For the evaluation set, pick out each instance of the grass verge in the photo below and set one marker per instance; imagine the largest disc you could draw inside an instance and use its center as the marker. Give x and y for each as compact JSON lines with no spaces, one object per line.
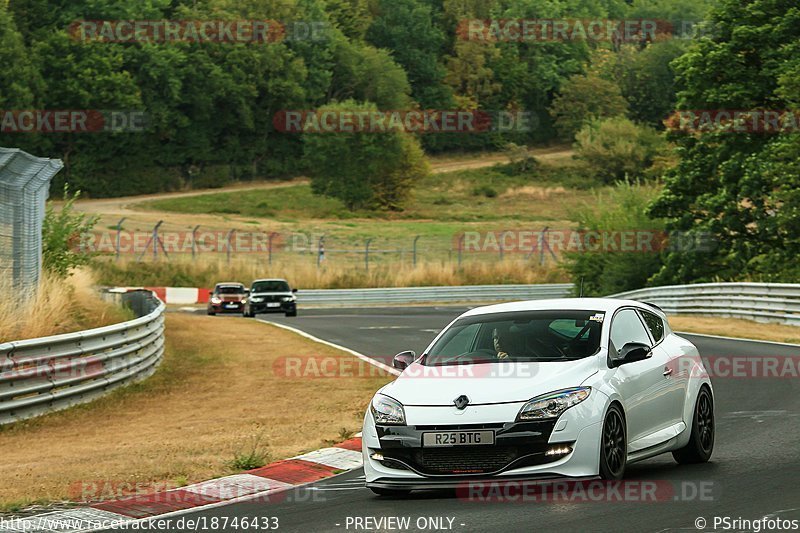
{"x":222,"y":398}
{"x":736,"y":327}
{"x":59,"y":306}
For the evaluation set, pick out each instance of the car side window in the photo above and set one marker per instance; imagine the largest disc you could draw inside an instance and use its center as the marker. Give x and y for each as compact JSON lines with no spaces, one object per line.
{"x":627,"y":327}
{"x":654,"y":323}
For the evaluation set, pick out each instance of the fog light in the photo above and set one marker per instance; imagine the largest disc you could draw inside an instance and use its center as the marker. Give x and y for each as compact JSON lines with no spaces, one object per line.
{"x":377,"y":456}
{"x":558,"y":450}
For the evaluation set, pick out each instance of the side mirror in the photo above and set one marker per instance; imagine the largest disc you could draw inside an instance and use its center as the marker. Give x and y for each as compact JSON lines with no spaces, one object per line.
{"x":403,"y":359}
{"x":631,"y":352}
{"x":294,"y":290}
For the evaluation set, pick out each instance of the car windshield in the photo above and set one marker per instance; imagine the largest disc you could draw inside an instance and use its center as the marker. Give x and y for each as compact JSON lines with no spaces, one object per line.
{"x":230,"y":289}
{"x":518,"y":336}
{"x":271,"y":286}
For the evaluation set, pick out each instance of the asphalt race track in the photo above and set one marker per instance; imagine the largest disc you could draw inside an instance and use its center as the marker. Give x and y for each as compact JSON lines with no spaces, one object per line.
{"x":754,"y":471}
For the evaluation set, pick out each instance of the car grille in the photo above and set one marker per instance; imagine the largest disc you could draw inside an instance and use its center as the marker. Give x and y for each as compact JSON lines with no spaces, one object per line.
{"x":465,"y":460}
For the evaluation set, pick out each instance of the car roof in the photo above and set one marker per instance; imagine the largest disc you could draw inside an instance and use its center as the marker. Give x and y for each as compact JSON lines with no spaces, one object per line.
{"x":270,"y":279}
{"x":607,"y":305}
{"x":230,"y":284}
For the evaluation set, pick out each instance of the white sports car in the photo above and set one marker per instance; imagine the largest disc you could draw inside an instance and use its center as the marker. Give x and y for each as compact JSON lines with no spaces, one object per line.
{"x":574,"y":387}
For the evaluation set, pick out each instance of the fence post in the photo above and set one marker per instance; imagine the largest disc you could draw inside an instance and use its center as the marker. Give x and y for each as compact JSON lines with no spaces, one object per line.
{"x":119,"y":230}
{"x":269,"y":244}
{"x":154,"y":238}
{"x":194,"y":240}
{"x":460,"y":247}
{"x":320,"y":250}
{"x":228,"y":245}
{"x":414,"y":252}
{"x":366,"y":253}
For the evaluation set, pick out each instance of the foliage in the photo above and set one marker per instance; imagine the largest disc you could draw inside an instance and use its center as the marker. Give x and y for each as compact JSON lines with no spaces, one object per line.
{"x":605,"y":272}
{"x":739,"y":189}
{"x":364,"y":169}
{"x":63,"y":233}
{"x":582,"y":99}
{"x":616,"y":148}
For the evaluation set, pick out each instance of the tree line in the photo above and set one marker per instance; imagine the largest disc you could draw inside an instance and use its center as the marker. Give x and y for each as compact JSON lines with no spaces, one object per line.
{"x":210,"y":106}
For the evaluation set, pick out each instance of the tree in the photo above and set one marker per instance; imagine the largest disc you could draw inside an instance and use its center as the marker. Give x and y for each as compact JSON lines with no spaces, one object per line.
{"x":405,"y":27}
{"x":616,"y":148}
{"x":583,"y":98}
{"x":740,"y":189}
{"x":365,"y":169}
{"x":647,"y":80}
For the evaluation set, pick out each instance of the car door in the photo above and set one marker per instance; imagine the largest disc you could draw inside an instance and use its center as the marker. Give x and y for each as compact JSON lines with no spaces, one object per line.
{"x":641,"y":384}
{"x":674,"y":372}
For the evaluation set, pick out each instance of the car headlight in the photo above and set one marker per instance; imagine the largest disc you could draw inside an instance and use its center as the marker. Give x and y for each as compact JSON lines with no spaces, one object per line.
{"x":216,"y":300}
{"x":287,"y":298}
{"x":553,"y":404}
{"x":256,"y":299}
{"x":387,"y":411}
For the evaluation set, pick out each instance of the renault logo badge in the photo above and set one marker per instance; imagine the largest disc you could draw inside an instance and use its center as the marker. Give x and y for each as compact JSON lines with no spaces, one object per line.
{"x":461,"y":402}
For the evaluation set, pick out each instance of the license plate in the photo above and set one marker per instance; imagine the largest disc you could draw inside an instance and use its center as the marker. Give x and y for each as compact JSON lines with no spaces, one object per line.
{"x":231,"y":306}
{"x":457,"y":438}
{"x":275,"y":304}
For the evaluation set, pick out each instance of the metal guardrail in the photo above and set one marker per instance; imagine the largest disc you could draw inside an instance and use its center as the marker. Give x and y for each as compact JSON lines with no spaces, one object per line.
{"x":764,"y":302}
{"x":396,"y":295}
{"x":51,"y":373}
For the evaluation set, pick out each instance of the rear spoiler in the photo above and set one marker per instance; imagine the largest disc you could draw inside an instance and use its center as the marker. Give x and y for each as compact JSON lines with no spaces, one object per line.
{"x":654,"y":305}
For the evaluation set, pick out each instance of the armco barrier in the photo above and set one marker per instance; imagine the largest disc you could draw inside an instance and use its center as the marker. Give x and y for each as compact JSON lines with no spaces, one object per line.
{"x":470,"y":293}
{"x":51,"y":373}
{"x":764,"y":302}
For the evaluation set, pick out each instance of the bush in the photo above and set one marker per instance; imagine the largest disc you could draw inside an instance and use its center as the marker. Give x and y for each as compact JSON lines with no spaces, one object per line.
{"x":584,"y":98}
{"x":616,"y":148}
{"x":608,"y":272}
{"x":63,"y":233}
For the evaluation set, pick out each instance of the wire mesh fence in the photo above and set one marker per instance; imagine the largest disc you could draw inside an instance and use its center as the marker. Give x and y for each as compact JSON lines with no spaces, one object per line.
{"x":24,"y":186}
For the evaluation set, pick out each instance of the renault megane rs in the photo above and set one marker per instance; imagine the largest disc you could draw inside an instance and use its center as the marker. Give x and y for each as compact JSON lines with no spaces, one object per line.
{"x":575,"y":387}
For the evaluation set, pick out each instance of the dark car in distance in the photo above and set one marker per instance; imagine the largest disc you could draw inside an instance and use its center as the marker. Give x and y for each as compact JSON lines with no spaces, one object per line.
{"x":271,"y":296}
{"x":227,"y":297}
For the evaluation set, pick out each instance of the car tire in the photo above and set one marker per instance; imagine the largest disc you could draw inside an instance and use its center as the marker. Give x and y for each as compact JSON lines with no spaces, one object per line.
{"x":248,"y":314}
{"x":390,"y":493}
{"x":701,"y":440}
{"x":613,"y":444}
{"x":210,"y":313}
{"x":292,"y":313}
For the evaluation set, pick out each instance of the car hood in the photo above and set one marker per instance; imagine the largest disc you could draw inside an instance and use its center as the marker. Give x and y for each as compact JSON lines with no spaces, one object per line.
{"x":271,"y":294}
{"x":487,"y":382}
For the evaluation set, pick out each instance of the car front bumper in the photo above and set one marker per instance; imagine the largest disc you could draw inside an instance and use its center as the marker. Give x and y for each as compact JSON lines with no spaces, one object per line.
{"x":520,"y":451}
{"x":226,"y":307}
{"x":264,"y":307}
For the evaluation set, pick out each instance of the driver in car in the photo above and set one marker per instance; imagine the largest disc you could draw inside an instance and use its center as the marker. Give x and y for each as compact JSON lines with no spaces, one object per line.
{"x":498,"y":345}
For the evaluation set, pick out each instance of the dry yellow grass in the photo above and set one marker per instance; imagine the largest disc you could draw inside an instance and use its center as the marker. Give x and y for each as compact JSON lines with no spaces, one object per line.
{"x":734,"y":327}
{"x":214,"y":393}
{"x":304,"y":274}
{"x":60,"y":306}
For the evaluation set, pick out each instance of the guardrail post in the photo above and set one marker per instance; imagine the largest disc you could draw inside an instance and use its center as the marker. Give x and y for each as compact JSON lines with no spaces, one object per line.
{"x":414,"y":252}
{"x":460,"y":247}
